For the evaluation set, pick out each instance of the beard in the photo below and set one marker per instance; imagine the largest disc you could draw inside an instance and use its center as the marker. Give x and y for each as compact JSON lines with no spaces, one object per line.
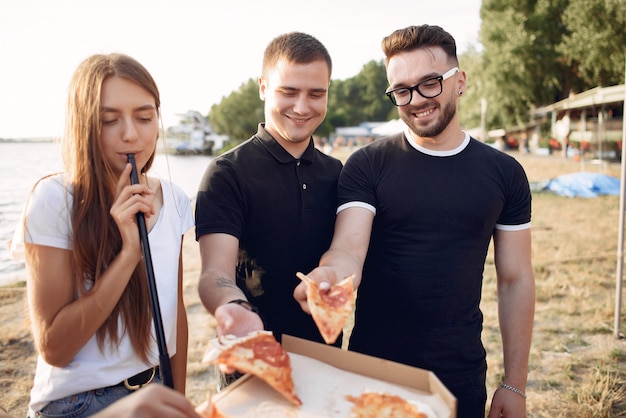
{"x":430,"y":131}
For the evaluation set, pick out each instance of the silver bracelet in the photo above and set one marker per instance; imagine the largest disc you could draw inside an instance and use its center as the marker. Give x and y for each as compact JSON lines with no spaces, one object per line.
{"x":513,"y":389}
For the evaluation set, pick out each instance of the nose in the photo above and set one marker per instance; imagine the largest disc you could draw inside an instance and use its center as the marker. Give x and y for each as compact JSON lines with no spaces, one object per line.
{"x":301,"y":105}
{"x":129,"y":131}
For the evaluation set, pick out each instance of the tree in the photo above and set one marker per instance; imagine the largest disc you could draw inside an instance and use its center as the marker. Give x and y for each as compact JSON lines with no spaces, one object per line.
{"x":360,"y":98}
{"x":596,"y":46}
{"x":238,"y":114}
{"x":470,"y":104}
{"x":537,"y":52}
{"x":521,"y":64}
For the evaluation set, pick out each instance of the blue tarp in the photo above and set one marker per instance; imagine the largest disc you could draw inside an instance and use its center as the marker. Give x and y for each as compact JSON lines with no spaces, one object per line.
{"x":584,"y":185}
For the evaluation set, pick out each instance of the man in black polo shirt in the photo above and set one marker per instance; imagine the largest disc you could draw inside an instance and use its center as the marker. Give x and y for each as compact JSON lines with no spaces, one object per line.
{"x":266,"y":209}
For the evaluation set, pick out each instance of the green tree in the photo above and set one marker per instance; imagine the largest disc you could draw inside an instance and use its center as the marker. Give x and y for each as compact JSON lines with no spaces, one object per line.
{"x":595,"y":47}
{"x":360,"y":98}
{"x":537,"y":52}
{"x":522,"y":66}
{"x":238,"y":114}
{"x":470,"y":104}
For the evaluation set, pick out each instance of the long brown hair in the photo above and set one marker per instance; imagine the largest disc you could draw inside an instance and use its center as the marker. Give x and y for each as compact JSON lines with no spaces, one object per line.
{"x":96,"y":239}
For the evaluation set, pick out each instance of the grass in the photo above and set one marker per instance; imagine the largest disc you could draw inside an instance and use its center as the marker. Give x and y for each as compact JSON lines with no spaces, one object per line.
{"x":577,"y":366}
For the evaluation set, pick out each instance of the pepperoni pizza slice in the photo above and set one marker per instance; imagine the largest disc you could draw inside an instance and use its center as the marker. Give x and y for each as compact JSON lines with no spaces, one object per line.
{"x":375,"y":404}
{"x":330,"y":309}
{"x":258,"y":354}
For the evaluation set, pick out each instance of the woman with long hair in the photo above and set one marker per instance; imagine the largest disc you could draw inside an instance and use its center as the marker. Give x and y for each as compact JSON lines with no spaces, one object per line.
{"x":88,"y":295}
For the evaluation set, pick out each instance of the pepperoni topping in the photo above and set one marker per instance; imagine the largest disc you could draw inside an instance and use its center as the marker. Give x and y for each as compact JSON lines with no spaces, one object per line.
{"x":267,"y":349}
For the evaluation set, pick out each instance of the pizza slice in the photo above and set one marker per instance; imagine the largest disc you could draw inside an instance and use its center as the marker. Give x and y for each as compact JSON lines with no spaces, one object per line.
{"x":258,"y":354}
{"x":209,"y":410}
{"x":330,"y":309}
{"x":376,"y":404}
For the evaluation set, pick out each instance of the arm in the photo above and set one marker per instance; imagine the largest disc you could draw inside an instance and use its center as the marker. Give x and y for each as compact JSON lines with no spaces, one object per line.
{"x":152,"y":401}
{"x":217,"y":286}
{"x":346,"y":254}
{"x":62,"y":323}
{"x":516,"y":309}
{"x":179,"y":360}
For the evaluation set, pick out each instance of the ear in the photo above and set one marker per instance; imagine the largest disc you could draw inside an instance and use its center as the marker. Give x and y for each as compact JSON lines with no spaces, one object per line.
{"x":262,"y":87}
{"x":462,"y":82}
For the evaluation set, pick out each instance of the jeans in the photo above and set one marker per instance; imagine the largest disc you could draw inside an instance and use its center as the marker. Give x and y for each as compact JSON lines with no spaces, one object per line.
{"x":84,"y":404}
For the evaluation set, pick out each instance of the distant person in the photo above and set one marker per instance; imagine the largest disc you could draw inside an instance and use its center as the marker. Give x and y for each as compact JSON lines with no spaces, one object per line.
{"x":266,"y":209}
{"x":88,"y":294}
{"x":417,"y":211}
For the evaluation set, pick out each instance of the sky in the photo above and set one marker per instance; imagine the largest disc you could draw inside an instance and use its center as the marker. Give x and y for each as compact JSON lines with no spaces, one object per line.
{"x":198,"y":51}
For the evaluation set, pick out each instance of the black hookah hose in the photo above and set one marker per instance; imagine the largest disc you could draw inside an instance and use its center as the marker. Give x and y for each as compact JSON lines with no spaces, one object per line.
{"x":164,"y":358}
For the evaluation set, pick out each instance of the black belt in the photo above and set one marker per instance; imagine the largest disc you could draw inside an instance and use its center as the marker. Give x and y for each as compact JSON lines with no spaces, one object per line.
{"x":140,"y":379}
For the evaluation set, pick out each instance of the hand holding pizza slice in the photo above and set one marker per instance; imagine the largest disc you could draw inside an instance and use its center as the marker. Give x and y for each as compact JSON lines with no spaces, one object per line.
{"x":330,"y":309}
{"x":259,"y":354}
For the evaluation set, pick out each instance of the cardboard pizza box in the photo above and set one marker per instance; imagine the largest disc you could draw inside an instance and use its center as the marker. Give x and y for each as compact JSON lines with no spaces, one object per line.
{"x":323,"y":375}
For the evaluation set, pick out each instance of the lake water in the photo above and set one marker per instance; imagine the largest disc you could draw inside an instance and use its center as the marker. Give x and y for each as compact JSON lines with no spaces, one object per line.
{"x":23,"y":163}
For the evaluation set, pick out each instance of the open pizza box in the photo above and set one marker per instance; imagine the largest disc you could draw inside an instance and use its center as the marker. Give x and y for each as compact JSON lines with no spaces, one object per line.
{"x":323,"y":375}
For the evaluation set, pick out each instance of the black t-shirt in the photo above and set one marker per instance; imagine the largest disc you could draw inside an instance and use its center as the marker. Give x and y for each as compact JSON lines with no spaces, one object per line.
{"x":282,"y":210}
{"x":418,"y":302}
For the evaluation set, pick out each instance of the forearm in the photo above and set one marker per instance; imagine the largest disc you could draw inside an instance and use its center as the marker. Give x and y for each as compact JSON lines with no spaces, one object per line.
{"x":216,"y":289}
{"x":516,"y":306}
{"x":81,"y":317}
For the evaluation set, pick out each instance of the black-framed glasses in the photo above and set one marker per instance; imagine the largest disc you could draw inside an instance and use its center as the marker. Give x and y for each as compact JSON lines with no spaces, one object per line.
{"x":428,"y":89}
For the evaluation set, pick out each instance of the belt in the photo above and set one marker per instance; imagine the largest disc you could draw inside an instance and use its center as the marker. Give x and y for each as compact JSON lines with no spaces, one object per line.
{"x":140,"y":379}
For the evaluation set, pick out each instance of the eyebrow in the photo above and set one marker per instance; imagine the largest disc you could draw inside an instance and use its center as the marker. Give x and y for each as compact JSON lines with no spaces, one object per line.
{"x":137,"y":109}
{"x":318,"y":90}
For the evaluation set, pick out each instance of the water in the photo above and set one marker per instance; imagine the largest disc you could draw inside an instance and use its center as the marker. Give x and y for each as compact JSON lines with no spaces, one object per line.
{"x":23,"y":163}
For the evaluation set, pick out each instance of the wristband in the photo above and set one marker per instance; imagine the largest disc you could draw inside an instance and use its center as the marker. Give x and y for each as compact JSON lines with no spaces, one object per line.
{"x":248,"y":306}
{"x":513,"y":389}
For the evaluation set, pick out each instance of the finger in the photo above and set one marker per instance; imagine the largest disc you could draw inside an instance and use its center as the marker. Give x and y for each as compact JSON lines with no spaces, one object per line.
{"x":124,"y":179}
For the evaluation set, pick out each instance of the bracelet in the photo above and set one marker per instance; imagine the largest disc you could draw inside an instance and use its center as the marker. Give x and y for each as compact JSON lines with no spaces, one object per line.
{"x":246,"y":305}
{"x":513,"y":389}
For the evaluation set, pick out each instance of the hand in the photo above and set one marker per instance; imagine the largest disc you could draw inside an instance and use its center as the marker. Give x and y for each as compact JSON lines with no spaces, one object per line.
{"x":325,"y":276}
{"x":129,"y":201}
{"x":152,"y":401}
{"x":507,"y":404}
{"x":234,"y":319}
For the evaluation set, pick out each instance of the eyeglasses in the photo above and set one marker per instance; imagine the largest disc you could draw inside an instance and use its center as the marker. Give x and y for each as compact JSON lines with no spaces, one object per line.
{"x":428,"y":89}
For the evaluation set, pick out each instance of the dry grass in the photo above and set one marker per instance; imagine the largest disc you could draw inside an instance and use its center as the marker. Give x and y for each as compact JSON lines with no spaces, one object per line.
{"x":577,"y":367}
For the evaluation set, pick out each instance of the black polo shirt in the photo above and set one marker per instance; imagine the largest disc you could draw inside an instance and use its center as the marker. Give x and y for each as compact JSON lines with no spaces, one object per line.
{"x":282,"y":210}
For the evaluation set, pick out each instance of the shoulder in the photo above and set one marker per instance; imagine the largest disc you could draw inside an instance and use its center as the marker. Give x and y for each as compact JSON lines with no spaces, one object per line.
{"x":51,"y":186}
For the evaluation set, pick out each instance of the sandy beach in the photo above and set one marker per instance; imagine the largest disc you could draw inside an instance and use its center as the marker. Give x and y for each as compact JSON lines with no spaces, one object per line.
{"x":577,"y":368}
{"x":18,"y":358}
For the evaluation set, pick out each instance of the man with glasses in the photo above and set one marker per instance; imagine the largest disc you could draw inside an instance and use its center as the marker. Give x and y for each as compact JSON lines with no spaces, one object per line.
{"x":416,"y":214}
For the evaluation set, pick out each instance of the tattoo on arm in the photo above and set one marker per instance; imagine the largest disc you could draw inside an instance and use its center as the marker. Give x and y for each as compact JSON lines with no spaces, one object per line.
{"x":224,"y":282}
